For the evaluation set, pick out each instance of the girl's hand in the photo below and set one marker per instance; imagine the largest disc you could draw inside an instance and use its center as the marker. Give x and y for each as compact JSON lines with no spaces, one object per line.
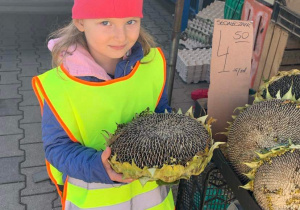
{"x":114,"y":176}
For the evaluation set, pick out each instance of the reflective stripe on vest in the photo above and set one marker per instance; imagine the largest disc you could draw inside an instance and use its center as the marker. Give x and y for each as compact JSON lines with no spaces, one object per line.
{"x":115,"y":101}
{"x":127,"y":197}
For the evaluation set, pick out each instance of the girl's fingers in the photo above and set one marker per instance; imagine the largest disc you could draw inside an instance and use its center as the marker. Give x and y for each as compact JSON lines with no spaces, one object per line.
{"x":105,"y":154}
{"x":118,"y":178}
{"x":114,"y":176}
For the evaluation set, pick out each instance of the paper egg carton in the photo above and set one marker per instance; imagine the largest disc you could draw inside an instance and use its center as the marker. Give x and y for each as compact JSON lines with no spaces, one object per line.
{"x":199,"y":30}
{"x":212,"y":11}
{"x":193,"y":66}
{"x":190,"y":44}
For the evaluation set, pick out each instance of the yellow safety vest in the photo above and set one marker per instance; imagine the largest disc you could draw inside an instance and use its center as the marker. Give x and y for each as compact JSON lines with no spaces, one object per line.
{"x":84,"y":109}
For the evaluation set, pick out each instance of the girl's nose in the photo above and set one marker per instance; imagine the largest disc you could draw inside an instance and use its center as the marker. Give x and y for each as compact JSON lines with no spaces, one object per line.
{"x":120,"y":34}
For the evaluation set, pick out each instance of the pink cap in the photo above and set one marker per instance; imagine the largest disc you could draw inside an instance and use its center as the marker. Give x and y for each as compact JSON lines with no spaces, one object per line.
{"x":94,"y":9}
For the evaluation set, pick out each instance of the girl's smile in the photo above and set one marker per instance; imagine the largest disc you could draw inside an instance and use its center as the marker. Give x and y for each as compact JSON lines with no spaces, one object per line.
{"x":120,"y":47}
{"x":109,"y":39}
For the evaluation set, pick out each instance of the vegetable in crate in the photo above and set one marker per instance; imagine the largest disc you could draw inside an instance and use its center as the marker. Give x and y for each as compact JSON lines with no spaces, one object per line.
{"x":163,"y":147}
{"x":275,"y":178}
{"x":261,"y":126}
{"x":286,"y":86}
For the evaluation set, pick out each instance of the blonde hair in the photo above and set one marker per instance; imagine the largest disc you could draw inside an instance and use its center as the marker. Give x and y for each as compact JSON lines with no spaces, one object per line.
{"x":70,"y":35}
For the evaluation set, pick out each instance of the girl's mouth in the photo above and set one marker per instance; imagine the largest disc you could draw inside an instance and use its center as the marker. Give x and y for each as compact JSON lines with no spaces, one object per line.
{"x":120,"y":47}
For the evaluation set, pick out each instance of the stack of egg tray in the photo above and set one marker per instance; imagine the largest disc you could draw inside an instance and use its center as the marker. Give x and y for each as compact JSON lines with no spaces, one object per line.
{"x":193,"y":66}
{"x":207,"y":191}
{"x":198,"y":33}
{"x":213,"y":11}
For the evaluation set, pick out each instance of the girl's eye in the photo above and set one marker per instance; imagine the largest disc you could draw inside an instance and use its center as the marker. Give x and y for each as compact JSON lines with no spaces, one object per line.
{"x":105,"y":23}
{"x":131,"y":22}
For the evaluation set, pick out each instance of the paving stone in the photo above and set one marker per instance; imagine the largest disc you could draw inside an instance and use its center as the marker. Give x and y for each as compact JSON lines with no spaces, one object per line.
{"x":39,"y":202}
{"x":26,"y":46}
{"x":169,"y":18}
{"x":43,"y":70}
{"x":9,"y":32}
{"x":11,"y":173}
{"x":29,"y":98}
{"x":46,"y":63}
{"x":165,"y":13}
{"x":9,"y":91}
{"x":8,"y":66}
{"x":8,"y":25}
{"x":153,"y":14}
{"x":9,"y":77}
{"x":162,"y":38}
{"x":24,"y":38}
{"x":9,"y":125}
{"x":9,"y":58}
{"x":33,"y":188}
{"x":7,"y":48}
{"x":35,"y":155}
{"x":166,"y":53}
{"x":155,"y":31}
{"x":57,"y":202}
{"x":9,"y":51}
{"x":29,"y":61}
{"x":9,"y":196}
{"x":150,"y":25}
{"x":9,"y":107}
{"x":32,"y":114}
{"x":29,"y":70}
{"x":177,"y":84}
{"x":168,"y":31}
{"x":41,"y":42}
{"x":40,"y":176}
{"x":28,"y":58}
{"x":26,"y":83}
{"x":180,"y":95}
{"x":164,"y":24}
{"x":8,"y":41}
{"x":41,"y":49}
{"x":10,"y":146}
{"x":191,"y":87}
{"x":27,"y":51}
{"x":33,"y":133}
{"x":28,"y":54}
{"x":45,"y":55}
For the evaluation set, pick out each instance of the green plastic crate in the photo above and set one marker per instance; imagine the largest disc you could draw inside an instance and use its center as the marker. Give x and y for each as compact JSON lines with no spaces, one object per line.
{"x":233,"y":9}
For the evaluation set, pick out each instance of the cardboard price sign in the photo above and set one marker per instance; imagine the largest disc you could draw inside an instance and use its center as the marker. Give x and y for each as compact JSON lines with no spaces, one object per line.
{"x":230,"y":71}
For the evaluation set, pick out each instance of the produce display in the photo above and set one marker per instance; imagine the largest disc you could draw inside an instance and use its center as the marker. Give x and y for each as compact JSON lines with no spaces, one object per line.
{"x":286,"y":85}
{"x":264,"y":141}
{"x":261,"y":126}
{"x":275,"y":178}
{"x":263,"y":145}
{"x":165,"y":147}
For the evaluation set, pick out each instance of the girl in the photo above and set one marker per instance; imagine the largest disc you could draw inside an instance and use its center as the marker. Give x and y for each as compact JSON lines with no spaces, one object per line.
{"x":105,"y":72}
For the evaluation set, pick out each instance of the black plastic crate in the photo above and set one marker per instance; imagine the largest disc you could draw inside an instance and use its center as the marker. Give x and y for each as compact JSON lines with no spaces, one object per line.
{"x":286,"y":18}
{"x":209,"y":190}
{"x":215,"y":188}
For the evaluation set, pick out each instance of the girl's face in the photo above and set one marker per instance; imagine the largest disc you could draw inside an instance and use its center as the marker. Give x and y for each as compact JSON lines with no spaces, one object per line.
{"x":110,"y":38}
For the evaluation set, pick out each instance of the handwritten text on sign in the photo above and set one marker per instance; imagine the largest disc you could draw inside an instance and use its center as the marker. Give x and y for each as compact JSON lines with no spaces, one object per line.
{"x":230,"y":70}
